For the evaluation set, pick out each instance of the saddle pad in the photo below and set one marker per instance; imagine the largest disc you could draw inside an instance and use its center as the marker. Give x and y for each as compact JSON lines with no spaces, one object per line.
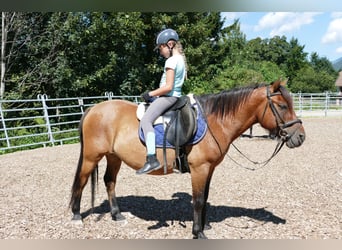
{"x":141,"y":111}
{"x":159,"y":131}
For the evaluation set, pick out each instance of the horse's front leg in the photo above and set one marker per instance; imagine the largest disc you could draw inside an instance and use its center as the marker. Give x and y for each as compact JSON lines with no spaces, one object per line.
{"x":200,"y":191}
{"x":113,"y":167}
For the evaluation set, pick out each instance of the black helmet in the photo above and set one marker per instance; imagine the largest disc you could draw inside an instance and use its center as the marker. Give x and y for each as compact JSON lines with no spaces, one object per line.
{"x":166,"y":35}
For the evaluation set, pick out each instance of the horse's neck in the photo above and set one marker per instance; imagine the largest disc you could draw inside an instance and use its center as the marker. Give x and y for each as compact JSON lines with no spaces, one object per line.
{"x":232,"y":126}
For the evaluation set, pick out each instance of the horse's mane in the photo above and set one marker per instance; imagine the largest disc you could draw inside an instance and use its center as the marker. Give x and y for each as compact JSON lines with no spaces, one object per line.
{"x":226,"y":102}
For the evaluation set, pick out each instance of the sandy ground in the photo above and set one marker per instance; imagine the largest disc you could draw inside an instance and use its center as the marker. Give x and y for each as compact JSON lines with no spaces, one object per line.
{"x":296,"y":196}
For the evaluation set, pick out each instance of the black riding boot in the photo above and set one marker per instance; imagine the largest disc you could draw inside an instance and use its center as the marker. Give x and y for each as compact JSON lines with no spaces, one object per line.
{"x":151,"y":164}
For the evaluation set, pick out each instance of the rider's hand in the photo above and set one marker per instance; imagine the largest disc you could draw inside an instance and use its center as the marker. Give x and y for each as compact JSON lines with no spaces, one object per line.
{"x":147,"y":98}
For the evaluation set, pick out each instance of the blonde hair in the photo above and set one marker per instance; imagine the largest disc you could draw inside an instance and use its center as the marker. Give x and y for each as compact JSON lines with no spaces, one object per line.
{"x":178,"y":46}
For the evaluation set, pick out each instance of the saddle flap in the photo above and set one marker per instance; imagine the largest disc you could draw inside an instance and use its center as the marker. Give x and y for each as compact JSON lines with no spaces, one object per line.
{"x":183,"y":125}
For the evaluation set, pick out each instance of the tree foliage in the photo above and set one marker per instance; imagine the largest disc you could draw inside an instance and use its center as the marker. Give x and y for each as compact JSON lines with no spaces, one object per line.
{"x":67,"y":54}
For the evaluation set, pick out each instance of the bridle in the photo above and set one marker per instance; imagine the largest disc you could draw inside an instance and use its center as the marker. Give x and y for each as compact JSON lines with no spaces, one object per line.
{"x":281,"y":126}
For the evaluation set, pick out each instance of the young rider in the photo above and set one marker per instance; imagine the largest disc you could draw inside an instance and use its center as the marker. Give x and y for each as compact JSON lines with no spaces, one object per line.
{"x":166,"y":95}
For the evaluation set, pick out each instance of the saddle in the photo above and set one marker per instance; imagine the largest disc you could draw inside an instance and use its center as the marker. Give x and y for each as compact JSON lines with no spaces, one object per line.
{"x":180,"y":125}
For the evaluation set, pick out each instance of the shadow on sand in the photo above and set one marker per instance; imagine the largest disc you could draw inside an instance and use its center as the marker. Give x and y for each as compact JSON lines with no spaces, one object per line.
{"x":179,"y":209}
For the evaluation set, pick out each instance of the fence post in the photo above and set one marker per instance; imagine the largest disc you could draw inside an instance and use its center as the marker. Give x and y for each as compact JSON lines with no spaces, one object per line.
{"x":43,"y":98}
{"x":109,"y":95}
{"x":300,"y":106}
{"x":4,"y":125}
{"x":81,"y":104}
{"x":326,"y":108}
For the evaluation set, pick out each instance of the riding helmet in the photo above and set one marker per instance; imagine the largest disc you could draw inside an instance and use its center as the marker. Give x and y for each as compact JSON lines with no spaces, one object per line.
{"x":166,"y":35}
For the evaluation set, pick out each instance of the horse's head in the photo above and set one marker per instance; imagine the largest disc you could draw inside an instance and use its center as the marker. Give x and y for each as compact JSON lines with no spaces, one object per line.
{"x":279,"y":116}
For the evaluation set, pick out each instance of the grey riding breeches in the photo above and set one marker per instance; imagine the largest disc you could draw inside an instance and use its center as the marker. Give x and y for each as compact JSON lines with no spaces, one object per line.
{"x":156,"y":108}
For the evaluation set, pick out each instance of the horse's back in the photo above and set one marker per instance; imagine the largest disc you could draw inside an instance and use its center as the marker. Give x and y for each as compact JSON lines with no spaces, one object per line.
{"x":113,"y":106}
{"x":103,"y":122}
{"x":110,"y":110}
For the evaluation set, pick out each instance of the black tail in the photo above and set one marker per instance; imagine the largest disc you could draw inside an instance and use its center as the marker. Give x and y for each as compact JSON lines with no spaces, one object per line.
{"x":75,"y":192}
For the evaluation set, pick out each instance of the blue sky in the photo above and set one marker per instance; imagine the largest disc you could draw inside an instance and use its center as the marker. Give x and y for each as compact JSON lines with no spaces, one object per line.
{"x":320,"y":32}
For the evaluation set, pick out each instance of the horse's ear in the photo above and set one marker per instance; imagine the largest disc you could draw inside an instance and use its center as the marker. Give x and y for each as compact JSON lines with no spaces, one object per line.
{"x":284,"y":82}
{"x":276,"y":84}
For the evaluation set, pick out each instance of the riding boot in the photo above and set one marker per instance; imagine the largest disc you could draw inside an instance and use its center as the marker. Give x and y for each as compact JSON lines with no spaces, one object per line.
{"x":151,"y":164}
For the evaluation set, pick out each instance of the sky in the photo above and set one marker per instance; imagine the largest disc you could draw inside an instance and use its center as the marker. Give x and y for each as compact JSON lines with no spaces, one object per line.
{"x":319,"y":32}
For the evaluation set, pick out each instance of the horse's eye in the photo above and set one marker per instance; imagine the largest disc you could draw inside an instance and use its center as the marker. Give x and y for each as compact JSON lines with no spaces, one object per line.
{"x":282,"y":106}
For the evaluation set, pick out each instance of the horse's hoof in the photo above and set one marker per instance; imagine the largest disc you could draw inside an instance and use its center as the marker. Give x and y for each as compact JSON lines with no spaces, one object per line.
{"x":201,"y":236}
{"x":118,"y":217}
{"x":207,"y":227}
{"x":77,"y":220}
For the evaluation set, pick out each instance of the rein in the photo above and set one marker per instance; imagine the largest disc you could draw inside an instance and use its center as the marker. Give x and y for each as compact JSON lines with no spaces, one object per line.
{"x":278,"y":147}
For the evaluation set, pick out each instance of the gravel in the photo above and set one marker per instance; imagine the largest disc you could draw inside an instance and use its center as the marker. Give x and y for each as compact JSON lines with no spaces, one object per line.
{"x":296,"y":196}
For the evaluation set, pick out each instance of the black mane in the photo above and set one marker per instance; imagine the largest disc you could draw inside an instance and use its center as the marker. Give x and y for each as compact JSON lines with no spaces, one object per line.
{"x":226,"y":102}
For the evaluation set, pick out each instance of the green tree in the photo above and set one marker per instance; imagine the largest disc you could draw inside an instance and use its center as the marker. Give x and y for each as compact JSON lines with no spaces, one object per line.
{"x":256,"y":50}
{"x":278,"y":50}
{"x":296,"y":58}
{"x":308,"y":80}
{"x":88,"y":53}
{"x":321,"y":64}
{"x":18,"y":31}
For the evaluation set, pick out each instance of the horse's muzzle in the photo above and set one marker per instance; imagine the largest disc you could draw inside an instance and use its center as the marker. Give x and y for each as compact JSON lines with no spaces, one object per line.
{"x":295,"y":135}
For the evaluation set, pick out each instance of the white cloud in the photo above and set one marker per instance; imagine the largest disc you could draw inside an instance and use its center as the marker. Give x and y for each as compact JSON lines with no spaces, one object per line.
{"x":334,"y":32}
{"x":339,"y":50}
{"x":335,"y":15}
{"x":281,"y":23}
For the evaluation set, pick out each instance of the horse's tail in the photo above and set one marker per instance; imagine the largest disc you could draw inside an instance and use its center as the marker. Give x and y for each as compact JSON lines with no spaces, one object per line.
{"x":75,"y":192}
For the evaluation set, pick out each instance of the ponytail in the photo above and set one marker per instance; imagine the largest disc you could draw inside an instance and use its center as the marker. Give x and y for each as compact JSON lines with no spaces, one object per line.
{"x":178,"y":46}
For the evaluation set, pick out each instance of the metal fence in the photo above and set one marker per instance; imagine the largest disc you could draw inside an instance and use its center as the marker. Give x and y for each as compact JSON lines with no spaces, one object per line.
{"x":42,"y":122}
{"x":318,"y":104}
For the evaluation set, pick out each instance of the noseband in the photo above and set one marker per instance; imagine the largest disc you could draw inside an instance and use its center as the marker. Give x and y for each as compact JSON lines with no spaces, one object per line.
{"x":281,"y":124}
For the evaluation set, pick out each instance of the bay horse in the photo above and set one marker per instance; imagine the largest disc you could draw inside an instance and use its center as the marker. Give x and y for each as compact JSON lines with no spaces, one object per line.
{"x":109,"y":129}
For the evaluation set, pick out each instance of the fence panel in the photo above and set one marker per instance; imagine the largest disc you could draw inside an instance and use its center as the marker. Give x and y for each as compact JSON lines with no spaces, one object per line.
{"x":318,"y":104}
{"x":45,"y":122}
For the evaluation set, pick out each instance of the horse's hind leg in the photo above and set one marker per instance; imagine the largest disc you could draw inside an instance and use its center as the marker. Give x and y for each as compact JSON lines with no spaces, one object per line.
{"x":113,"y":167}
{"x":85,"y":168}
